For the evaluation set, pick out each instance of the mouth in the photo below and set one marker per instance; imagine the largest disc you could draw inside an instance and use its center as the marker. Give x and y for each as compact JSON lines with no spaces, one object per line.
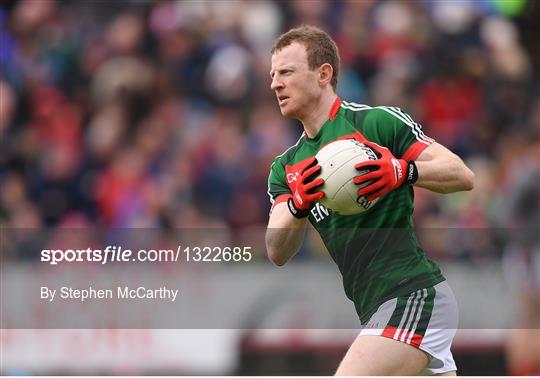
{"x":282,"y":99}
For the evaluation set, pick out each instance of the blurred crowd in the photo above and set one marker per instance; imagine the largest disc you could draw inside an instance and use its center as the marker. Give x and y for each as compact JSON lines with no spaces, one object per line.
{"x":159,"y":114}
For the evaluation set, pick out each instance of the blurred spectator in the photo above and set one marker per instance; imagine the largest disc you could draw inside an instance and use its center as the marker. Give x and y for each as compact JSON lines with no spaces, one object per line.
{"x":159,"y":113}
{"x":522,"y":258}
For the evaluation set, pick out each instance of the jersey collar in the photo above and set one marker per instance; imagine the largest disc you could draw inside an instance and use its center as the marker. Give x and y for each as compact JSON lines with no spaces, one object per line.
{"x":331,"y":115}
{"x":334,"y":109}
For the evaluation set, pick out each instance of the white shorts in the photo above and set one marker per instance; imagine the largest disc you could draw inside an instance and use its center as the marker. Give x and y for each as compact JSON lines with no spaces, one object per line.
{"x":426,"y":319}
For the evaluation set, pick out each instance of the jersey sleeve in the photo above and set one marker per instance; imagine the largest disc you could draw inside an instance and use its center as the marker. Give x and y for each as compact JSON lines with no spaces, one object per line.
{"x":397,"y":131}
{"x":277,"y":184}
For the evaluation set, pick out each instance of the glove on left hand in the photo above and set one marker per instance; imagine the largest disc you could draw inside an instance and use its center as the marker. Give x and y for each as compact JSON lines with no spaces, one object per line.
{"x":385,"y":174}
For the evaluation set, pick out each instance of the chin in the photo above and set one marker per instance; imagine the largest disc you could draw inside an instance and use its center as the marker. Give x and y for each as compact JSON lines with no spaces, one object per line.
{"x":284,"y":112}
{"x":288,"y":112}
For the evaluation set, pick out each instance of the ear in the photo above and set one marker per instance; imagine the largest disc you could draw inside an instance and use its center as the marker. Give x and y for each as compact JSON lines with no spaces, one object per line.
{"x":326,"y":72}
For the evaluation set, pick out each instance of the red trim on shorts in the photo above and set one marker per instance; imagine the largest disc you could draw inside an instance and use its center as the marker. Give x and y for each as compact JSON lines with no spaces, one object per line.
{"x":281,"y":198}
{"x":389,"y":331}
{"x":335,"y":108}
{"x":416,"y":340}
{"x":400,"y":334}
{"x":414,"y":150}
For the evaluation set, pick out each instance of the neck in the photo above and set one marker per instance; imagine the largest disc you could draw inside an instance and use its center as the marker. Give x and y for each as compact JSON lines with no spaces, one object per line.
{"x":315,"y":119}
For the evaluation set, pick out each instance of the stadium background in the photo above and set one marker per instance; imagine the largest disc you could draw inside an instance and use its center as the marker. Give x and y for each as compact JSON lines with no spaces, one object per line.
{"x":149,"y":114}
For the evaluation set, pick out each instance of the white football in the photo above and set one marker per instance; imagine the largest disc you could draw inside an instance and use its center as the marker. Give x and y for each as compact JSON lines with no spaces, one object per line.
{"x":337,"y":160}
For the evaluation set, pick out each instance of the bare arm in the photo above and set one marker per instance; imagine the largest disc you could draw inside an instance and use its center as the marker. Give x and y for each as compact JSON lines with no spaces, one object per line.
{"x":284,"y":234}
{"x":442,"y":171}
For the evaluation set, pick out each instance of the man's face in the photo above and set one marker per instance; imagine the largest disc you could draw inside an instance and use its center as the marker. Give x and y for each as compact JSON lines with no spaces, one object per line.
{"x":295,"y":85}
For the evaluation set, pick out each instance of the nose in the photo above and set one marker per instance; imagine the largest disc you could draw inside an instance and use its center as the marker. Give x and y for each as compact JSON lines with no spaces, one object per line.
{"x":276,"y":83}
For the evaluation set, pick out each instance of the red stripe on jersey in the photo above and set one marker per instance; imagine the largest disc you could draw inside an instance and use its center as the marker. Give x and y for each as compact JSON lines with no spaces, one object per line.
{"x":389,"y":331}
{"x":414,"y":151}
{"x":335,"y":108}
{"x":356,"y":136}
{"x":281,"y":198}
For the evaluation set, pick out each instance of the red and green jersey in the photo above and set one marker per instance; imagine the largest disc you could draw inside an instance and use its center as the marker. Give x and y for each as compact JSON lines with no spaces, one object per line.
{"x":376,"y":251}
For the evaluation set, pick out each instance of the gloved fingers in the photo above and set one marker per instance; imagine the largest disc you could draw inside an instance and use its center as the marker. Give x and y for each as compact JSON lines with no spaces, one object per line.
{"x":370,"y":165}
{"x":371,"y":188}
{"x":314,"y":184}
{"x":366,"y":177}
{"x":315,"y":196}
{"x":373,"y":196}
{"x":310,"y":173}
{"x":375,"y":146}
{"x":308,"y":163}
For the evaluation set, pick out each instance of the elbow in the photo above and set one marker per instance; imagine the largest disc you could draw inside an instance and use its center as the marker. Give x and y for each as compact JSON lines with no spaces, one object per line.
{"x":273,"y":250}
{"x":275,"y":257}
{"x":280,"y":246}
{"x":468,"y":180}
{"x":279,"y":262}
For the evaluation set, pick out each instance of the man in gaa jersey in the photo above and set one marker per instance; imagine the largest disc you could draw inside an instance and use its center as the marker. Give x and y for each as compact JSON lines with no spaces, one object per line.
{"x":407,"y":311}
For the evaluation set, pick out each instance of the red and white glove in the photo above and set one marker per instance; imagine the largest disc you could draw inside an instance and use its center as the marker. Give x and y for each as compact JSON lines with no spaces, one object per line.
{"x":384,"y":174}
{"x":304,"y":188}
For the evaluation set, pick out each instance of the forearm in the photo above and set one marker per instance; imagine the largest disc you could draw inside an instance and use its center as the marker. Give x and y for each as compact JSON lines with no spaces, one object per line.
{"x":444,"y":175}
{"x":284,"y":235}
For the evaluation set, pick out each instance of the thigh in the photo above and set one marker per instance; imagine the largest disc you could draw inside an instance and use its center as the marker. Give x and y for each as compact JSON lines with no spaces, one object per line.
{"x":378,"y":355}
{"x":426,"y":319}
